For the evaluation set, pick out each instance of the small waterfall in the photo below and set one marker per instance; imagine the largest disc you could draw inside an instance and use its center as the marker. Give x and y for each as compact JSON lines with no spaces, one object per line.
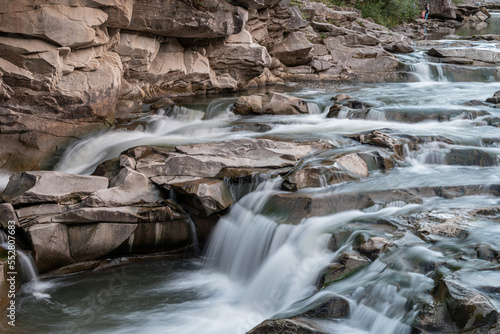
{"x":432,"y":153}
{"x":219,"y":107}
{"x":376,"y":115}
{"x":194,"y":237}
{"x":313,"y":108}
{"x":429,"y":72}
{"x":26,"y":264}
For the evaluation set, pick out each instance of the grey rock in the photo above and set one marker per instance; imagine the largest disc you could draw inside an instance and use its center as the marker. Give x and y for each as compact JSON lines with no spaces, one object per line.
{"x":294,"y":50}
{"x":51,"y":187}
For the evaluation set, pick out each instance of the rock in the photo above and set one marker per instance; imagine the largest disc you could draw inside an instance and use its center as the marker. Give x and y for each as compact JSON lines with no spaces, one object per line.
{"x":64,"y":25}
{"x":242,"y":62}
{"x":374,"y":246}
{"x":442,"y":9}
{"x":483,"y":55}
{"x":270,"y":103}
{"x":349,"y":263}
{"x":137,"y":51}
{"x":316,"y":177}
{"x":51,"y":246}
{"x":380,"y":139}
{"x":467,"y":308}
{"x":256,"y":4}
{"x":127,"y":188}
{"x":51,"y":187}
{"x":7,"y":214}
{"x":334,"y":308}
{"x":284,"y":326}
{"x":173,"y":18}
{"x":205,"y":196}
{"x":399,"y":48}
{"x":92,"y":241}
{"x":470,"y":157}
{"x":294,"y":50}
{"x":353,"y":164}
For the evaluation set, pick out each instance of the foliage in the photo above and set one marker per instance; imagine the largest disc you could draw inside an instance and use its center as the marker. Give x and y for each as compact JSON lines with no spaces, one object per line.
{"x":385,"y":12}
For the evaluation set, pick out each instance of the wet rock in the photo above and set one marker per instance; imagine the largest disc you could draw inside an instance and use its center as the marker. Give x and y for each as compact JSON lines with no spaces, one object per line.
{"x":483,"y":55}
{"x":92,"y":241}
{"x":294,"y":50}
{"x":378,"y":138}
{"x":467,"y":308}
{"x":51,"y":246}
{"x":270,"y":103}
{"x":495,"y":98}
{"x":470,"y":157}
{"x":51,"y":187}
{"x":374,"y":246}
{"x":334,"y":308}
{"x":349,"y":263}
{"x":206,"y":196}
{"x":488,"y":253}
{"x":127,"y":188}
{"x":284,"y":326}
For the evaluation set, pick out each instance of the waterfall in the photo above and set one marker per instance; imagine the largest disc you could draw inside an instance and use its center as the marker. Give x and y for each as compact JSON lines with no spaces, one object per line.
{"x":313,"y":108}
{"x":27,"y":268}
{"x":432,"y":153}
{"x":429,"y":72}
{"x":279,"y":265}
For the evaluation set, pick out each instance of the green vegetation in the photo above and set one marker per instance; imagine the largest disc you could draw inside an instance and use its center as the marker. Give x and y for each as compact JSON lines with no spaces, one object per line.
{"x":385,"y":12}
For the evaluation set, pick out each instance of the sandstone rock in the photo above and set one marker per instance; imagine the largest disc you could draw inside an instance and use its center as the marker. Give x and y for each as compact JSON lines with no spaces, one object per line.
{"x":316,"y":177}
{"x":273,"y":326}
{"x":487,"y":56}
{"x":47,"y":186}
{"x":206,"y":196}
{"x":84,"y":60}
{"x":443,"y":9}
{"x":160,"y":236}
{"x":51,"y":246}
{"x":7,"y":214}
{"x":123,"y":214}
{"x":270,"y":103}
{"x":127,"y":188}
{"x":173,"y":18}
{"x":294,"y":50}
{"x":63,"y":25}
{"x":380,"y":139}
{"x":354,"y":164}
{"x":137,"y":51}
{"x":92,"y":241}
{"x":242,"y":62}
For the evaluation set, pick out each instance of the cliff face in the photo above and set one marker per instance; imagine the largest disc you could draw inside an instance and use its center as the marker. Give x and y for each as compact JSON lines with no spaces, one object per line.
{"x":70,"y":67}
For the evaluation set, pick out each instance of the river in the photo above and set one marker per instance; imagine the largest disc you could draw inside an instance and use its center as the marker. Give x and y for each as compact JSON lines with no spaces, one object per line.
{"x":254,"y":268}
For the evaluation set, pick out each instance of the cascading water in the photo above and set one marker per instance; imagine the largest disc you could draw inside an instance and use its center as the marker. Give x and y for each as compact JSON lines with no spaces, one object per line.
{"x":27,"y":267}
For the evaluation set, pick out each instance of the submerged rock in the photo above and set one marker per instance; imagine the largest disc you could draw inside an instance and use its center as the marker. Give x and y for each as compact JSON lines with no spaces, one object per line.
{"x":284,"y":326}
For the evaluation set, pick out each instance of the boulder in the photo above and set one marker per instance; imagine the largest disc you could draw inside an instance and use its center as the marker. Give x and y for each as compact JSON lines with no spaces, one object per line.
{"x":378,"y":138}
{"x":274,"y":326}
{"x":51,"y":246}
{"x":51,"y":187}
{"x":374,"y":246}
{"x":92,"y":241}
{"x":7,"y":214}
{"x":205,"y":196}
{"x":349,"y":263}
{"x":242,"y":62}
{"x":316,"y":177}
{"x":482,"y":55}
{"x":333,"y":308}
{"x":256,"y":4}
{"x":294,"y":50}
{"x":442,"y":9}
{"x":127,"y":188}
{"x":270,"y":103}
{"x":71,"y":26}
{"x":186,"y":19}
{"x":468,"y":308}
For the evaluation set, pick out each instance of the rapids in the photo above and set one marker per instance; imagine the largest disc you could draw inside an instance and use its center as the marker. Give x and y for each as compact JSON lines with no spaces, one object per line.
{"x":254,"y":268}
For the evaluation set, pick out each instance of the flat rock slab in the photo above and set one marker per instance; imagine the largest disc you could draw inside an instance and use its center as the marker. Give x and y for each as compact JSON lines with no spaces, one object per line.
{"x":51,"y":187}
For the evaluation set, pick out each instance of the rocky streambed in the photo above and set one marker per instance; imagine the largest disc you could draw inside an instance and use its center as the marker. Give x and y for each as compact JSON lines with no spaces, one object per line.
{"x":310,"y":208}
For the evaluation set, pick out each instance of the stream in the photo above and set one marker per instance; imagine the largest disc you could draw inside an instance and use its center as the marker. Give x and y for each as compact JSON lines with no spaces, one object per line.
{"x":254,"y":267}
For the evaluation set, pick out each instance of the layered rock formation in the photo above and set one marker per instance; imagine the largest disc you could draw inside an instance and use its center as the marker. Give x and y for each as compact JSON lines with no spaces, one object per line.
{"x":69,"y":68}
